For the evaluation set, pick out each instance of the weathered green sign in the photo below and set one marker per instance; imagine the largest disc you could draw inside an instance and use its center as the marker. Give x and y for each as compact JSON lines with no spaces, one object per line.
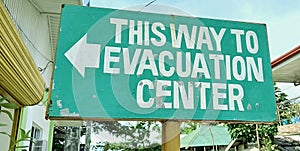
{"x":133,"y":65}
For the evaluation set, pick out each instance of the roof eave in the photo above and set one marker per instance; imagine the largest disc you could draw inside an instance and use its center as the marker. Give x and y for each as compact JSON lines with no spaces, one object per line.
{"x":285,"y":56}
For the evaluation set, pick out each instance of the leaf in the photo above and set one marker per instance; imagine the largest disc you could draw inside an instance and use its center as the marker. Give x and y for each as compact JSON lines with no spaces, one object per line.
{"x":23,"y":140}
{"x":5,"y":134}
{"x":7,"y":113}
{"x":23,"y":133}
{"x":1,"y":124}
{"x":2,"y":99}
{"x":21,"y":146}
{"x":28,"y":133}
{"x":9,"y":105}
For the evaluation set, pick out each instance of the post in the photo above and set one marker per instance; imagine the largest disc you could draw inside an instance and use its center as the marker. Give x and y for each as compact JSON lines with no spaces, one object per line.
{"x":212,"y":138}
{"x":170,"y":136}
{"x":88,"y":134}
{"x":278,"y":115}
{"x":257,"y":136}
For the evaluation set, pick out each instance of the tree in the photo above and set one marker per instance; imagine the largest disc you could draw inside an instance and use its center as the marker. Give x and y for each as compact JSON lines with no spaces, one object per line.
{"x":188,"y":127}
{"x":247,"y":132}
{"x":135,"y":134}
{"x":284,"y":106}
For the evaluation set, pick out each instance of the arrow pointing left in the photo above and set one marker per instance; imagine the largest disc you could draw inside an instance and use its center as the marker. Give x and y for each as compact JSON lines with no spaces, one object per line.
{"x":84,"y":55}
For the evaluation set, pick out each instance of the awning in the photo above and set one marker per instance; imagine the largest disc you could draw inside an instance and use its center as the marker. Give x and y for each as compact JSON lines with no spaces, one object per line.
{"x":20,"y":80}
{"x":286,"y":67}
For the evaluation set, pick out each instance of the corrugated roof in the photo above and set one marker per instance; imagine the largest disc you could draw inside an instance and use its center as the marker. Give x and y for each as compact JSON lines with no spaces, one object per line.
{"x":206,"y":136}
{"x":53,"y":6}
{"x":54,"y":30}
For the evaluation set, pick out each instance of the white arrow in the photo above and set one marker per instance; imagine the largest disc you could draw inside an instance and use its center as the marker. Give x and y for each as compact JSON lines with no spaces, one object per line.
{"x":84,"y":55}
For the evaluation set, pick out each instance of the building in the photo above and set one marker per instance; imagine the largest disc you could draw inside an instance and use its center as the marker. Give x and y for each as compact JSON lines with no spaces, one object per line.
{"x":29,"y":32}
{"x":286,"y":69}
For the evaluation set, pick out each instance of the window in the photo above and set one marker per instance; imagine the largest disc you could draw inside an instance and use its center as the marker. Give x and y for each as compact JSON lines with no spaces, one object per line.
{"x":36,"y":134}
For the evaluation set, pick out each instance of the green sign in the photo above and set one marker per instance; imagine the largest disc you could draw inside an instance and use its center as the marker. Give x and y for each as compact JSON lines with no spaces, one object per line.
{"x":133,"y":65}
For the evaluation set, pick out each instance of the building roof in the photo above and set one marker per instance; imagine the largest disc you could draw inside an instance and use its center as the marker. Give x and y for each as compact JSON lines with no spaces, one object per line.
{"x":290,"y":129}
{"x":52,"y":9}
{"x":286,"y":68}
{"x":206,"y":136}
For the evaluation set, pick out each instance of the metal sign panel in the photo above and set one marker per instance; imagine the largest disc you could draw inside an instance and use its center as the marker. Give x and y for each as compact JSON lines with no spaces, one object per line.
{"x":134,"y":65}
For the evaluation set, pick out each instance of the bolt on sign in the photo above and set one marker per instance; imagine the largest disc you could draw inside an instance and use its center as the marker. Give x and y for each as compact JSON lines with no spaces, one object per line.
{"x":117,"y":64}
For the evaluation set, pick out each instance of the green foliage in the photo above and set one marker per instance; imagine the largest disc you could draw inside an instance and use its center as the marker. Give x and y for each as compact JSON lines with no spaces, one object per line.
{"x":24,"y":136}
{"x":7,"y":106}
{"x":268,"y":145}
{"x":188,"y":127}
{"x":247,"y":132}
{"x":296,"y":109}
{"x":136,"y":134}
{"x":4,"y":106}
{"x":1,"y":124}
{"x":284,"y":106}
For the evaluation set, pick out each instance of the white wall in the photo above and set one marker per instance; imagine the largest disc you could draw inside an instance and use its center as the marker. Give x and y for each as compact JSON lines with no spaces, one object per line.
{"x":33,"y":28}
{"x":36,"y":115}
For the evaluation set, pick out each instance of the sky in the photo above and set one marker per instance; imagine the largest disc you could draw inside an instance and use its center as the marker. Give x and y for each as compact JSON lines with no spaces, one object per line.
{"x":282,"y":18}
